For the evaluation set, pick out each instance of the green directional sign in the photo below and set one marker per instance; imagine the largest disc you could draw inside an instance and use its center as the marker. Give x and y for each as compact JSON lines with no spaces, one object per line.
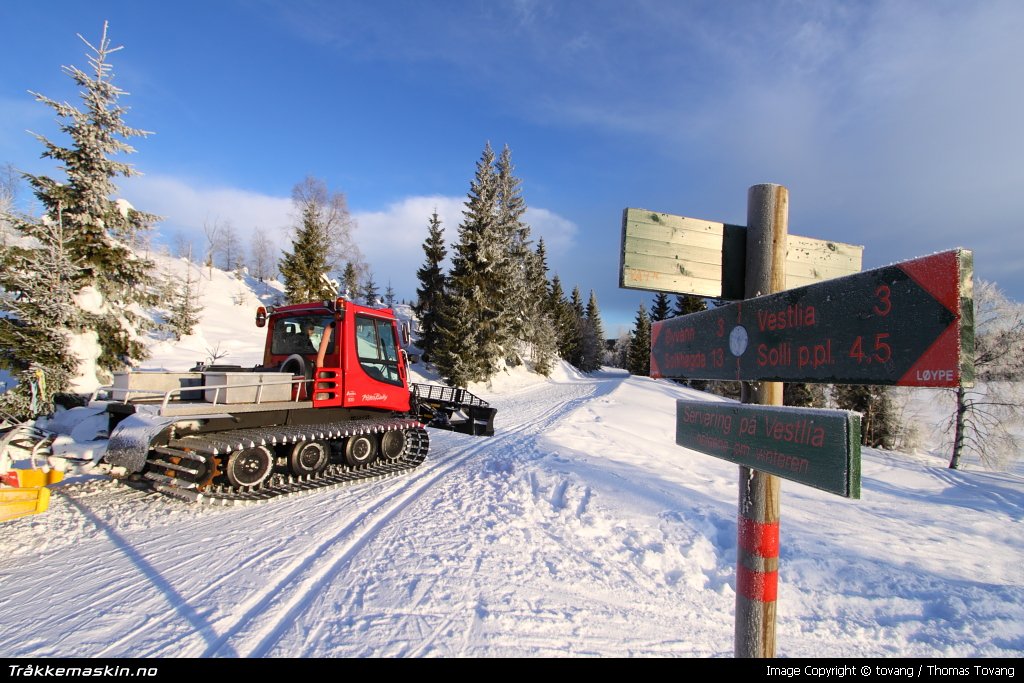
{"x":819,"y":448}
{"x":908,"y":324}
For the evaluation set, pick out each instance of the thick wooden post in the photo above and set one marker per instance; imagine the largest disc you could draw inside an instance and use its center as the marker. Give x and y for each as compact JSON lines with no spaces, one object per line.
{"x":757,"y":559}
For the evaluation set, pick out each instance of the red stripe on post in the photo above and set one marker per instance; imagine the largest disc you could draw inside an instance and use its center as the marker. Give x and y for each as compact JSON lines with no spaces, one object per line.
{"x":755,"y":585}
{"x":759,"y":538}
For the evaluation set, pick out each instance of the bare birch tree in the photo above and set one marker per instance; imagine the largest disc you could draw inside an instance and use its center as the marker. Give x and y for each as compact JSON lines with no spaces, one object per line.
{"x":988,"y":419}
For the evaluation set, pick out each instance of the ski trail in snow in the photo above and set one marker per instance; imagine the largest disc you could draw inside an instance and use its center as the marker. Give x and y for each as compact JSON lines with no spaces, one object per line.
{"x":420,"y":627}
{"x":308,"y":576}
{"x":270,"y":617}
{"x":180,"y":606}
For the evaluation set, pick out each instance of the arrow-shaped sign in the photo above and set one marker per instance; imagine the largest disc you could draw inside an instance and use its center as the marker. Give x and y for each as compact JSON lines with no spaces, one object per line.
{"x":906,"y":324}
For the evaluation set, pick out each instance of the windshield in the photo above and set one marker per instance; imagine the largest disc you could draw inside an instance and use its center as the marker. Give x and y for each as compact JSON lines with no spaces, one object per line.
{"x":300,"y":334}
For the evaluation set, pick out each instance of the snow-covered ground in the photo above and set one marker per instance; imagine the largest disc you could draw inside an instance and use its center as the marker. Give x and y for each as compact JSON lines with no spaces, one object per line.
{"x":580,"y":529}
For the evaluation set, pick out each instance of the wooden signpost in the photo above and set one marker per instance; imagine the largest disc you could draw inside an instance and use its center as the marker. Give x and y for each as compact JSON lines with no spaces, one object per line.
{"x":807,"y":315}
{"x":681,"y":255}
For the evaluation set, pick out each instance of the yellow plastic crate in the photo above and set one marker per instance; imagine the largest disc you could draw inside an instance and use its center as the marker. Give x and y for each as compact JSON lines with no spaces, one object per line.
{"x":23,"y":501}
{"x":33,"y":478}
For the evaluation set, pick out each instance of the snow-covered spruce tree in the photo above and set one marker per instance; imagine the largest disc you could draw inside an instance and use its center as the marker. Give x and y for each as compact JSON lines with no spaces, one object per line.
{"x":879,"y":427}
{"x":371,"y":294}
{"x":470,"y":339}
{"x":432,"y":286}
{"x":350,"y":280}
{"x":688,"y":303}
{"x":331,"y":211}
{"x":454,"y":355}
{"x":323,"y":236}
{"x":305,"y":268}
{"x":987,"y":420}
{"x":512,"y":269}
{"x":563,"y":318}
{"x":660,"y":309}
{"x":38,"y":314}
{"x":638,"y":359}
{"x":184,"y":309}
{"x":541,"y":333}
{"x":593,"y":340}
{"x":575,"y":317}
{"x":804,"y":395}
{"x":99,"y":232}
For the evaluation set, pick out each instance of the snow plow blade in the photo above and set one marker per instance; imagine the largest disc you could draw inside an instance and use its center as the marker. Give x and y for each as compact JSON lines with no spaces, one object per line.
{"x":453,"y":409}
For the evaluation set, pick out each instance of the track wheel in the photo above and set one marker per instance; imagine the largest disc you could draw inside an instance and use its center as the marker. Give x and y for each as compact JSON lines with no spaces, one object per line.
{"x":249,"y":467}
{"x":309,"y":457}
{"x":392,"y":444}
{"x":360,"y":449}
{"x":208,"y":471}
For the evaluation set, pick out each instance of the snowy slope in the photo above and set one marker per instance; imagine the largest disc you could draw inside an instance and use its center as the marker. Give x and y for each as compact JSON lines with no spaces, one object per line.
{"x":579,"y":529}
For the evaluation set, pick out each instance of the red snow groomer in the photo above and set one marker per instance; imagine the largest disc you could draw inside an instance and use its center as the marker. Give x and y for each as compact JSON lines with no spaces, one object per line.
{"x":331,"y":404}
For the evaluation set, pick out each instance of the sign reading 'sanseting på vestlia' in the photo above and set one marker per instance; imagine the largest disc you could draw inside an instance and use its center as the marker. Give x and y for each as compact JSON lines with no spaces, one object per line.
{"x":819,"y":448}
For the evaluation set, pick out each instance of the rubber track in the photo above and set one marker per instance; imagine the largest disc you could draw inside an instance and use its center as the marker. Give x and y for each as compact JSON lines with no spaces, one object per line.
{"x":202,"y":447}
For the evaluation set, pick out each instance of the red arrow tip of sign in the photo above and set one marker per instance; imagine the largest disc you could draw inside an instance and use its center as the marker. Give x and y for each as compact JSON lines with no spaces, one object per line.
{"x":933,"y":274}
{"x":939,"y":366}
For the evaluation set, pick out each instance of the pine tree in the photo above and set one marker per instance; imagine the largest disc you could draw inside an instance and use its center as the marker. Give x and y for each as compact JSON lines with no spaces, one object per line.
{"x":40,"y":313}
{"x":305,"y":268}
{"x":453,"y":355}
{"x":99,"y":232}
{"x":638,"y":360}
{"x":389,"y":296}
{"x":879,"y":425}
{"x":540,"y":333}
{"x":564,"y":320}
{"x":371,"y":295}
{"x":351,"y":281}
{"x":593,"y":339}
{"x":688,"y":303}
{"x":575,"y":317}
{"x":511,"y":271}
{"x":184,"y":309}
{"x":660,"y":309}
{"x":330,"y":209}
{"x":803,"y":394}
{"x":432,"y":286}
{"x":470,"y":336}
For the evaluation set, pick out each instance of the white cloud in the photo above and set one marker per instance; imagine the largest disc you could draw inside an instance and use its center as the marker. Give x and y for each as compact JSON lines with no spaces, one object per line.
{"x":559,"y":233}
{"x":186,"y":207}
{"x":390,"y":239}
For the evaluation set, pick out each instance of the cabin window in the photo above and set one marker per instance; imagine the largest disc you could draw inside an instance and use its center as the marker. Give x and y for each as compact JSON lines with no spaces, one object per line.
{"x":377,"y":349}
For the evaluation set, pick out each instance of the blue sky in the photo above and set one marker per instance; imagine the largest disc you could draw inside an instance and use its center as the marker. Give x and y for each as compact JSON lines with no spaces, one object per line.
{"x":894,"y":125}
